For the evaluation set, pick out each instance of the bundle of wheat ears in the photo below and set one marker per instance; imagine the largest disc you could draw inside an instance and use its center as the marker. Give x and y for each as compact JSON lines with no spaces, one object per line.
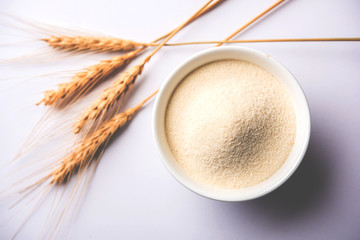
{"x":102,"y":118}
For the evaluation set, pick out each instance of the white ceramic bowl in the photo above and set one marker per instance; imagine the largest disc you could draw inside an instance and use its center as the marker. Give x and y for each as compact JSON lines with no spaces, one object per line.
{"x":271,"y":65}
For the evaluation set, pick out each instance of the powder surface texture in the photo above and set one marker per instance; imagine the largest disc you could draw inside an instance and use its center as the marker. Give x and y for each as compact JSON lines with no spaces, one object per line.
{"x":230,"y":124}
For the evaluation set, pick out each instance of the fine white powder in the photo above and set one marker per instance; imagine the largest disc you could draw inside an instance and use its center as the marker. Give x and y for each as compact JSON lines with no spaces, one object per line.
{"x":230,"y":124}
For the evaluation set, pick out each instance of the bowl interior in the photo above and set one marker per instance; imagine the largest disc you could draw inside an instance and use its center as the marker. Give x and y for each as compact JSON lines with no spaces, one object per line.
{"x":268,"y":63}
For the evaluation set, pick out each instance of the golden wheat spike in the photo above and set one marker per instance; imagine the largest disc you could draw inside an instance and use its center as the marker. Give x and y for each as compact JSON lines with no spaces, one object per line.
{"x":82,"y":156}
{"x":88,"y":43}
{"x":108,"y":44}
{"x":109,"y":97}
{"x":86,"y":79}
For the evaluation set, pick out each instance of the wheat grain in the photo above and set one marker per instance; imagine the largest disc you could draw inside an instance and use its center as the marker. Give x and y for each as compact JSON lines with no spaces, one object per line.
{"x":84,"y":81}
{"x":82,"y":156}
{"x":88,"y":43}
{"x":111,"y":95}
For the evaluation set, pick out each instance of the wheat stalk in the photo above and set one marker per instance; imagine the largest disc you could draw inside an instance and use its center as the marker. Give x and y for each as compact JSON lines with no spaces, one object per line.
{"x":112,"y":44}
{"x":82,"y":156}
{"x":85,"y":80}
{"x":254,"y":20}
{"x":351,"y":39}
{"x":89,"y":43}
{"x":120,"y":87}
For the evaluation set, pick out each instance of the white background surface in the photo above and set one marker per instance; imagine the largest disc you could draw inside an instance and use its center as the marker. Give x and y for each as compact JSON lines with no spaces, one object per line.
{"x":132,"y":196}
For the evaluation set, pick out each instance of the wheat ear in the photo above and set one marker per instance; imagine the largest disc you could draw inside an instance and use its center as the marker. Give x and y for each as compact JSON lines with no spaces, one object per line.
{"x":99,"y":44}
{"x":110,"y":96}
{"x":116,"y":93}
{"x":82,"y":156}
{"x":107,"y":44}
{"x":85,"y":80}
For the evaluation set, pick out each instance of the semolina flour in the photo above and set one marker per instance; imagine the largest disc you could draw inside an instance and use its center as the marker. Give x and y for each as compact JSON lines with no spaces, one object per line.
{"x":230,"y":124}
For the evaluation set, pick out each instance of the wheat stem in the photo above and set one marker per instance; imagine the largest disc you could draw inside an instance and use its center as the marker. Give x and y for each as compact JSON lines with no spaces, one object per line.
{"x":353,"y":39}
{"x":207,"y":9}
{"x":115,"y":43}
{"x":253,"y":20}
{"x":146,"y":59}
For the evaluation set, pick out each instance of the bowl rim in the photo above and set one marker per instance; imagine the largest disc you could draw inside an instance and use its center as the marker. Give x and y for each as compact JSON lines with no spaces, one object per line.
{"x":157,"y":110}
